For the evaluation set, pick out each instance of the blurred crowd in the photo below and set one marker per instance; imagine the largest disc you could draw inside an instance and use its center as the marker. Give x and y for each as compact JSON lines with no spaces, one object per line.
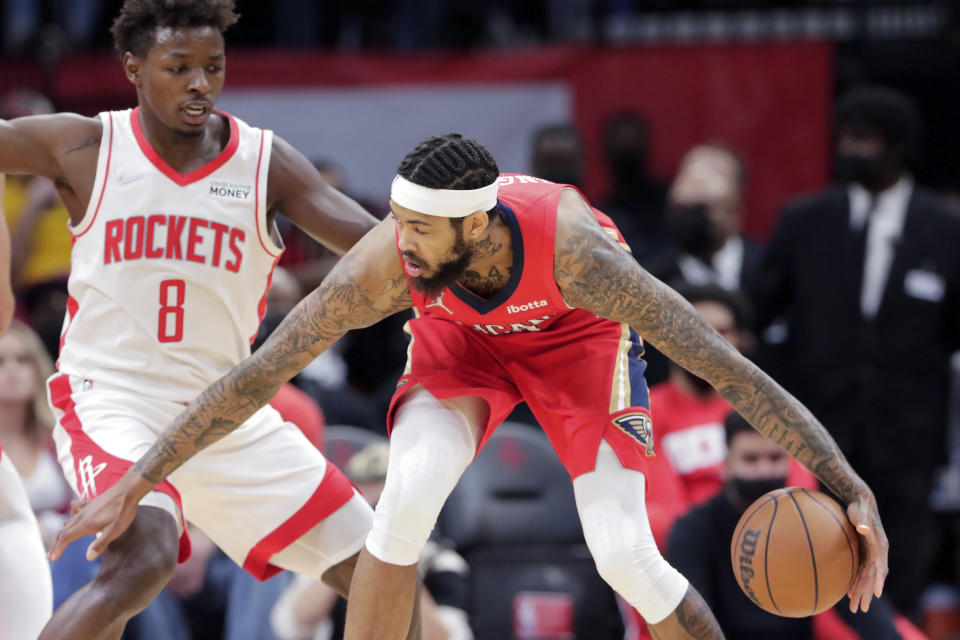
{"x":54,"y":27}
{"x":853,"y":305}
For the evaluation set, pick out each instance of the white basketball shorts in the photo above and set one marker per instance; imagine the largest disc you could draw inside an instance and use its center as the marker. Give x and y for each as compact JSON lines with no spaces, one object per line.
{"x":254,"y":492}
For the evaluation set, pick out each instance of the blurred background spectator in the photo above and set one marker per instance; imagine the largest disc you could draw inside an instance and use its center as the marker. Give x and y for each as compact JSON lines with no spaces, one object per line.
{"x":26,"y":423}
{"x":699,"y":547}
{"x":856,"y":302}
{"x":636,"y":199}
{"x":689,"y":415}
{"x":703,"y":222}
{"x":558,"y":155}
{"x":39,"y":237}
{"x":867,"y":277}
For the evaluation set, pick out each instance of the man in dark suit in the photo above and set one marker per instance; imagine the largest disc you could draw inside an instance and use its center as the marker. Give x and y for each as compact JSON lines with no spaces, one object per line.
{"x":866,"y":276}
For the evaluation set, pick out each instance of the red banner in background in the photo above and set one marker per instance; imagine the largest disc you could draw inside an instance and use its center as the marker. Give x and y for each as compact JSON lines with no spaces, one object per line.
{"x":770,"y":101}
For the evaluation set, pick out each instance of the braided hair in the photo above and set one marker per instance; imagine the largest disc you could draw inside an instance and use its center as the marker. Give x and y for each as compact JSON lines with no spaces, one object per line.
{"x":450,"y":161}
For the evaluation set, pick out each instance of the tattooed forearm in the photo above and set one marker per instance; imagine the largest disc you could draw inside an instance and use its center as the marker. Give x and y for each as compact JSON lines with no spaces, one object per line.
{"x":338,"y":305}
{"x":595,"y":274}
{"x":693,"y":618}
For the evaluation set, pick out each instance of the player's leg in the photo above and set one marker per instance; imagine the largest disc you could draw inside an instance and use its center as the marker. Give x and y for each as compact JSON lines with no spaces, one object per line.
{"x":270,"y":501}
{"x":99,"y":433}
{"x":133,"y":570}
{"x":26,"y":593}
{"x":610,"y":500}
{"x":431,"y":444}
{"x":345,"y":529}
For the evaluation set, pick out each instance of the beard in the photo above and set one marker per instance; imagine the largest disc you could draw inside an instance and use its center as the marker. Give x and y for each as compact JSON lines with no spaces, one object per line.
{"x":447,"y":271}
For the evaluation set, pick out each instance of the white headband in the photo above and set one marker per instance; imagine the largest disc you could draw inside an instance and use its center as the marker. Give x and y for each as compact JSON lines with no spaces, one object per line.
{"x":447,"y":203}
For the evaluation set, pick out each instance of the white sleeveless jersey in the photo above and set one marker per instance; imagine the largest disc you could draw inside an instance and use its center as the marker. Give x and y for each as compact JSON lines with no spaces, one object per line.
{"x":169,"y":271}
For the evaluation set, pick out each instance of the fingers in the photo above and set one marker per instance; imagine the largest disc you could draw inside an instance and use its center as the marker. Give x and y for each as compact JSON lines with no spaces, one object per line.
{"x":869,"y":580}
{"x":67,"y":534}
{"x":101,"y":542}
{"x":861,"y":592}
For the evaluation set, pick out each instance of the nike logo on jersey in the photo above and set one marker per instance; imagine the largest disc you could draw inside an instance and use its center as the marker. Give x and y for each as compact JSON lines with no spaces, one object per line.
{"x":173,"y":238}
{"x":88,"y":473}
{"x":529,"y":306}
{"x":122,"y":179}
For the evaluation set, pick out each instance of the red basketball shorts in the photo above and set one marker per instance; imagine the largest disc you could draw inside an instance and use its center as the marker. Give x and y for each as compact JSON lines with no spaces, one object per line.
{"x":582,"y":379}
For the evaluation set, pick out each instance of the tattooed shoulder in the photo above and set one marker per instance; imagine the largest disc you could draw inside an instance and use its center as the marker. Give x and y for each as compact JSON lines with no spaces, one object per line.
{"x":592,"y":271}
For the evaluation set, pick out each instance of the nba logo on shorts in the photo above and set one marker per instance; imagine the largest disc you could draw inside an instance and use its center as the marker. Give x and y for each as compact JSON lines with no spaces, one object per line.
{"x":639,"y":427}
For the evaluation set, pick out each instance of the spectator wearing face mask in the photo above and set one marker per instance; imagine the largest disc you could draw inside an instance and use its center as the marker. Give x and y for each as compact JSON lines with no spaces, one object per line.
{"x":636,"y":198}
{"x":688,"y":417}
{"x":866,"y":277}
{"x":700,"y":547}
{"x":702,"y":222}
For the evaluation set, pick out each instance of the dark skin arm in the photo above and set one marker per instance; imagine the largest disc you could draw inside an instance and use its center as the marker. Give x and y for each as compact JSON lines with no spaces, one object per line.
{"x":594,"y":273}
{"x":296,"y":189}
{"x":62,"y":147}
{"x":364,"y":287}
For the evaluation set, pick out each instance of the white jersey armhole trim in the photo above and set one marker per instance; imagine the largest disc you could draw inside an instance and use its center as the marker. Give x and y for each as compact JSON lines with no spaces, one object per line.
{"x":264,"y":229}
{"x":100,"y":178}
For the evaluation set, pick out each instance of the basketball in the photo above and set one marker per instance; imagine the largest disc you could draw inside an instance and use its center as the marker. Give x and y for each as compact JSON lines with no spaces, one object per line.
{"x":794,"y":552}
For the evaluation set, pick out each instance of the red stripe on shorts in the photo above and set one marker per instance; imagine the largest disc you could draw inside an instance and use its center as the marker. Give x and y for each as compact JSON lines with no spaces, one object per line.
{"x":96,"y":470}
{"x":334,"y":492}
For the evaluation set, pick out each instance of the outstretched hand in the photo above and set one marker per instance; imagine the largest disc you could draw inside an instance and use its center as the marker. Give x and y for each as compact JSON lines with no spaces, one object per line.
{"x":107,"y":516}
{"x":868,"y":583}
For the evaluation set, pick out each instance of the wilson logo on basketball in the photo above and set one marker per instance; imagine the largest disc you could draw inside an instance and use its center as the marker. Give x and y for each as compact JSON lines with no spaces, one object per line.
{"x":748,"y":548}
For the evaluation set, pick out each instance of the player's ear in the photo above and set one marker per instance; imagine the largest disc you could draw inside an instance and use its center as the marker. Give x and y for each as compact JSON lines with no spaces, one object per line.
{"x":131,"y":67}
{"x":476,"y":224}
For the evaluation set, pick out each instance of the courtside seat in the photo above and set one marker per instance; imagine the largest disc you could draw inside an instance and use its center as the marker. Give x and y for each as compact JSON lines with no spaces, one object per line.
{"x":514,"y":519}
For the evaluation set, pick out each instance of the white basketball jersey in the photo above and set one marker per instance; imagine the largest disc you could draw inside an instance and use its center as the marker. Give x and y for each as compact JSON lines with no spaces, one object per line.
{"x":169,"y":271}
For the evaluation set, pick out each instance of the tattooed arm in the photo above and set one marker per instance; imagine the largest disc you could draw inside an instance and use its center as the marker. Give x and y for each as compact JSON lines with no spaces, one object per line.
{"x":364,"y":287}
{"x":594,"y":273}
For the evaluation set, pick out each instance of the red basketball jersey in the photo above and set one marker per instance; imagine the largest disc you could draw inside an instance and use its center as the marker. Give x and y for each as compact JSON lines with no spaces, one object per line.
{"x":520,"y":345}
{"x":530,"y":301}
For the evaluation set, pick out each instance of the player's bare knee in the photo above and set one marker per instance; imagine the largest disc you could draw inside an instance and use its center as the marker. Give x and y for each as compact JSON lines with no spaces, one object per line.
{"x":137,"y":565}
